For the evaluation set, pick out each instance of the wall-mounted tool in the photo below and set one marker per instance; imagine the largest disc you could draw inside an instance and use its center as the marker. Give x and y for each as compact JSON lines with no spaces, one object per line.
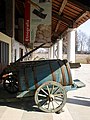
{"x":38,"y":11}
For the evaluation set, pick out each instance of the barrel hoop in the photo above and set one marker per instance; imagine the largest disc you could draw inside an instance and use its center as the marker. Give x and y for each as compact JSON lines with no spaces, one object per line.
{"x":26,"y":80}
{"x":52,"y":72}
{"x":69,"y":73}
{"x":63,"y":75}
{"x":35,"y":78}
{"x":19,"y":85}
{"x":61,"y":79}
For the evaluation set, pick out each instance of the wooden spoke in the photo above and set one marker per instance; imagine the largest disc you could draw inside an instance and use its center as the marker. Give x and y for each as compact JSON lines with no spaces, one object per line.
{"x":43,"y":102}
{"x":48,"y":89}
{"x":50,"y":97}
{"x":42,"y":95}
{"x":52,"y":89}
{"x":56,"y":102}
{"x":44,"y":91}
{"x":10,"y":84}
{"x":53,"y":105}
{"x":58,"y":95}
{"x":48,"y":105}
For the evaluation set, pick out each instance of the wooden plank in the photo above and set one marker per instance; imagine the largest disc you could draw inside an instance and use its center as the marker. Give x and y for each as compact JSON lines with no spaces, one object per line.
{"x":82,"y":15}
{"x":75,"y":65}
{"x":62,"y":18}
{"x":60,"y":11}
{"x":78,"y":83}
{"x":79,"y":5}
{"x":69,"y":13}
{"x":68,"y":8}
{"x":72,"y":5}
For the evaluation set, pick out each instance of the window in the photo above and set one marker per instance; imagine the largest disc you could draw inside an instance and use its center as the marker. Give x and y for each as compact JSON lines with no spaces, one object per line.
{"x":4,"y":53}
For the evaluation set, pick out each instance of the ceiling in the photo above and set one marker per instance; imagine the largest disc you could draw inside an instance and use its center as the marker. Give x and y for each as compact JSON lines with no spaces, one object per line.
{"x":68,"y":14}
{"x":65,"y":14}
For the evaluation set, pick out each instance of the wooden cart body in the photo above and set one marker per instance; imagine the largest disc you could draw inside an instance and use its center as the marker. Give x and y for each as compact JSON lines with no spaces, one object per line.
{"x":36,"y":73}
{"x":32,"y":74}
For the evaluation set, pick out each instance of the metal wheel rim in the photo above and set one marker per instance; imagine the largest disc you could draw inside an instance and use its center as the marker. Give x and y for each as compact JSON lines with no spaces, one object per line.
{"x":50,"y":97}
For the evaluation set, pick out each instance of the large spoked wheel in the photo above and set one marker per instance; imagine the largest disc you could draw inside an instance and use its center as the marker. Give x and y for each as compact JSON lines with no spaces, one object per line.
{"x":50,"y":97}
{"x":10,"y":84}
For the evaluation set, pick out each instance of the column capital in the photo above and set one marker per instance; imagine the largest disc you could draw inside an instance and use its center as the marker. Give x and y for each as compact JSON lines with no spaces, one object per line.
{"x":71,"y":29}
{"x":59,"y":39}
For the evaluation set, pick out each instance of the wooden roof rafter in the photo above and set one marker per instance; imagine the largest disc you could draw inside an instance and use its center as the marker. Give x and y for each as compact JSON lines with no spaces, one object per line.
{"x":81,"y":16}
{"x":62,"y":18}
{"x":79,"y":5}
{"x":60,"y":12}
{"x":72,"y":6}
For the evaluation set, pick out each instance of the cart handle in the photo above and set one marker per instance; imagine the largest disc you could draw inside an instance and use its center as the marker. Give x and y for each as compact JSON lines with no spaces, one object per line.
{"x":29,"y":53}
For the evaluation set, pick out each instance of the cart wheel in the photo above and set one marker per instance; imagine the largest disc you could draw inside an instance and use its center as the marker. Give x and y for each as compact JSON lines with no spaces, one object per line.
{"x":50,"y":97}
{"x":10,"y":84}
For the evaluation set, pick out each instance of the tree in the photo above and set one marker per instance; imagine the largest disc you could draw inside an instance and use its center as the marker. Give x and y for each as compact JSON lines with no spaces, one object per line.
{"x":88,"y":44}
{"x":81,"y":41}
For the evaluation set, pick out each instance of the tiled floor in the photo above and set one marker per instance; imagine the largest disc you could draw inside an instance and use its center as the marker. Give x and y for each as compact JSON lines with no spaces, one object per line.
{"x":76,"y":108}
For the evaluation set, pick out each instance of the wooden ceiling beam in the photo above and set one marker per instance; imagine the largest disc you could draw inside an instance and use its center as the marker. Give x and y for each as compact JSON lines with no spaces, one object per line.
{"x":80,"y":5}
{"x":62,"y":6}
{"x":62,"y":18}
{"x":81,"y":16}
{"x":60,"y":12}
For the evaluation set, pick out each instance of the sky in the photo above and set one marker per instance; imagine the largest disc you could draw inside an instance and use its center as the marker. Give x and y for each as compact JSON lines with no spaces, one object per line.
{"x":85,"y":27}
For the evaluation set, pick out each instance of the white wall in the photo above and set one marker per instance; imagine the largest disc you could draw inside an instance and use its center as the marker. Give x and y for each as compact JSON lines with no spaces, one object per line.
{"x":6,"y":39}
{"x":16,"y":45}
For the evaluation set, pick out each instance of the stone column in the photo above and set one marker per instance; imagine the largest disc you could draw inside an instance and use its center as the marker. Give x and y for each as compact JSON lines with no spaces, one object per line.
{"x":51,"y":52}
{"x":13,"y":30}
{"x":54,"y":51}
{"x":71,"y":45}
{"x":71,"y":48}
{"x":60,"y":48}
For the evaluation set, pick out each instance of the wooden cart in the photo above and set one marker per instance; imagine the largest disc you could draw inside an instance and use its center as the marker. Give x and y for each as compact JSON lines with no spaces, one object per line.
{"x":47,"y":80}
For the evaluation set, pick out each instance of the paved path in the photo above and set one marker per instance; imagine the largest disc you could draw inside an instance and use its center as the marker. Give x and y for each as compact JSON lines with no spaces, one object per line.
{"x":76,"y":108}
{"x":9,"y":113}
{"x":78,"y":102}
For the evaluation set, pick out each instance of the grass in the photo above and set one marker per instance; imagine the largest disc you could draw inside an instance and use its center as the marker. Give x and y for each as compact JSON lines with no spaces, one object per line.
{"x":81,"y":58}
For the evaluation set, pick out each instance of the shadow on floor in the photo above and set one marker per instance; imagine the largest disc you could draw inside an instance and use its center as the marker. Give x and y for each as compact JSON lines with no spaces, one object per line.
{"x":83,"y":102}
{"x":26,"y":103}
{"x":82,"y":97}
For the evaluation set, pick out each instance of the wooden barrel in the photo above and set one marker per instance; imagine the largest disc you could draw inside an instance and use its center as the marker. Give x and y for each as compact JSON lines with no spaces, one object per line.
{"x":34,"y":73}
